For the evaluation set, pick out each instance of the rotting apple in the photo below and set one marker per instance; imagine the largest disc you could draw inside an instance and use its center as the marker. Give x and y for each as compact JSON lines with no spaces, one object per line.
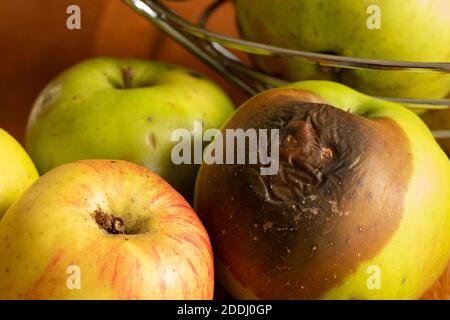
{"x":359,"y":209}
{"x":125,"y":109}
{"x":17,"y":171}
{"x":118,"y":227}
{"x":409,"y":30}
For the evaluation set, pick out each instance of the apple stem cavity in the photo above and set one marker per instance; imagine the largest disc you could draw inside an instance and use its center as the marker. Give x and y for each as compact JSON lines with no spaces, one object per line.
{"x":109,"y":222}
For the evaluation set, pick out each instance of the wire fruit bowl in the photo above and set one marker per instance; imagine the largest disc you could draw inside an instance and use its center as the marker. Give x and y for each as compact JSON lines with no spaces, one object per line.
{"x":213,"y":49}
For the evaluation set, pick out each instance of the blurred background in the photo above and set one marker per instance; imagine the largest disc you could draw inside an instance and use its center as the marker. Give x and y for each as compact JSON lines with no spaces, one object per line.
{"x":37,"y":46}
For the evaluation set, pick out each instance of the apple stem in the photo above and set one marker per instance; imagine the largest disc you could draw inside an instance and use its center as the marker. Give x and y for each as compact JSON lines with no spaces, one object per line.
{"x":127,"y":74}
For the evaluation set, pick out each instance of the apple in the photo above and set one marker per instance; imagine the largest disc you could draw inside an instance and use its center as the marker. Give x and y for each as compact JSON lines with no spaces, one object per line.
{"x":101,"y":229}
{"x":108,"y":108}
{"x":359,"y":208}
{"x":17,"y":171}
{"x":439,"y":120}
{"x":405,"y":30}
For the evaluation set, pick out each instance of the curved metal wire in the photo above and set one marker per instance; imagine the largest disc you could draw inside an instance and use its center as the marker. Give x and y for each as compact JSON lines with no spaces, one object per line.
{"x":211,"y":47}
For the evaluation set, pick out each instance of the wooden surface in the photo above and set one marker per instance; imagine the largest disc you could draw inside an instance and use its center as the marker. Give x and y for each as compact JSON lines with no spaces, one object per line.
{"x":36,"y":46}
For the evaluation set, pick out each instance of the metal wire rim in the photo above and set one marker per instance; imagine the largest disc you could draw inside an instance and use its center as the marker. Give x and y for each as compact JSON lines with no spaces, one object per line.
{"x":329,"y":60}
{"x":211,"y":47}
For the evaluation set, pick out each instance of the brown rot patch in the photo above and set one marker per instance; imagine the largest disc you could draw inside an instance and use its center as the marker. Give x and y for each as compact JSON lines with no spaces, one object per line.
{"x":109,"y":222}
{"x":313,"y":219}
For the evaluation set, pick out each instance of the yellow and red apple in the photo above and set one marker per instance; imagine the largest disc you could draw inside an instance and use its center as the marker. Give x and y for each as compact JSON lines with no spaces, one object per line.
{"x":100,"y":229}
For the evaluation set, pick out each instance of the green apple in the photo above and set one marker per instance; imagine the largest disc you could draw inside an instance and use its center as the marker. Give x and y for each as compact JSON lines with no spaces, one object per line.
{"x":17,"y":171}
{"x":358,"y":209}
{"x":123,"y":109}
{"x":409,"y":30}
{"x":100,"y":229}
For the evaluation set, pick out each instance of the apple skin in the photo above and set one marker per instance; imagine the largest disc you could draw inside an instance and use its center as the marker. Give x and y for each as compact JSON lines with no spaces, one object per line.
{"x":411,"y":30}
{"x":165,"y":252}
{"x":407,"y":175}
{"x":17,"y":171}
{"x":91,"y":111}
{"x":441,"y":288}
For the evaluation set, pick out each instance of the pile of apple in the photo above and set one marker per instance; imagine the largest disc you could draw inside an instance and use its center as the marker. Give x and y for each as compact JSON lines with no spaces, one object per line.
{"x":107,"y":229}
{"x":358,"y":209}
